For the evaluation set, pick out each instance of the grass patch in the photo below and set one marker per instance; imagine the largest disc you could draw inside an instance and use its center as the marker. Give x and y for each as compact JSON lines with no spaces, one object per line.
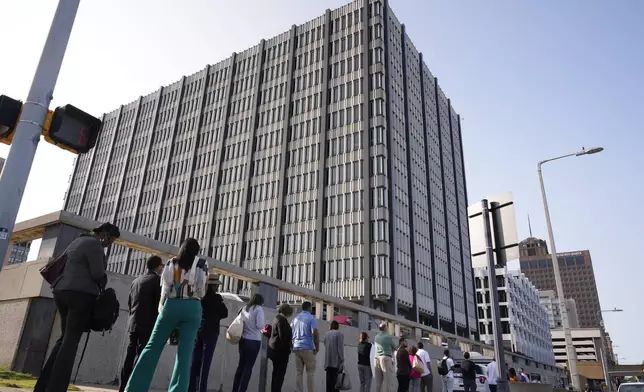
{"x":16,"y":380}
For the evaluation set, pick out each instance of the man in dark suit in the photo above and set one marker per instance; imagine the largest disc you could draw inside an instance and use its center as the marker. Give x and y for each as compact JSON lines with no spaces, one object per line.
{"x":143,"y":303}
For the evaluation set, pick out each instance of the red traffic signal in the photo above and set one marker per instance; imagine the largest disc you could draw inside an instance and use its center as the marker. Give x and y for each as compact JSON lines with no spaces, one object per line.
{"x":72,"y":129}
{"x":9,"y":114}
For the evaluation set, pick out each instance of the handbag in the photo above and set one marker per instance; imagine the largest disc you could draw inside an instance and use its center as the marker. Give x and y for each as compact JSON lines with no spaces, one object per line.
{"x":343,"y":382}
{"x":53,"y":270}
{"x":267,"y":330}
{"x":418,"y":366}
{"x":236,"y":329}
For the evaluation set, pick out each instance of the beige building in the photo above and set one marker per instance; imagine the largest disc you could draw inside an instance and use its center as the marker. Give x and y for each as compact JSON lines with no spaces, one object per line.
{"x":587,"y":342}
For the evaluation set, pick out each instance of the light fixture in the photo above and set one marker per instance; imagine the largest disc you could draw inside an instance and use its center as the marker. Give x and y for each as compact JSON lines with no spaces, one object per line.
{"x":589,"y":151}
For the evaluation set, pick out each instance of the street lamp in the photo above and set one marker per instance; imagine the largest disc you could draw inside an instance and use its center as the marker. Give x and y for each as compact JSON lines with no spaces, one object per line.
{"x":570,"y":349}
{"x":602,"y":337}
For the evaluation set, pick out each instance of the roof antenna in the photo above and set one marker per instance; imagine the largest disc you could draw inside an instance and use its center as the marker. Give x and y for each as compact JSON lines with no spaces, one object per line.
{"x":529,"y":225}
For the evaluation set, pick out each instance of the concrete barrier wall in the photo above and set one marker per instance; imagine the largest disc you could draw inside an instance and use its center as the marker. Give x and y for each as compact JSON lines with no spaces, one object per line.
{"x":12,"y":316}
{"x":531,"y":388}
{"x":105,"y":353}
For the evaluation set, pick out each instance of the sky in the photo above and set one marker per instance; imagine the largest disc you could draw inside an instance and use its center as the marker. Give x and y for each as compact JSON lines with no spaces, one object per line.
{"x":531,"y":79}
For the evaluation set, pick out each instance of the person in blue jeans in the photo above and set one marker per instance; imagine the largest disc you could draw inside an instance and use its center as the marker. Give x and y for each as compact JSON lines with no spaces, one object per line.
{"x":214,"y":310}
{"x":183,"y":284}
{"x":251,"y":341}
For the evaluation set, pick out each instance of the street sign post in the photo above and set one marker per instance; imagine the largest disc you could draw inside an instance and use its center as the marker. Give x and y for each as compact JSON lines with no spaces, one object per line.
{"x":493,"y":235}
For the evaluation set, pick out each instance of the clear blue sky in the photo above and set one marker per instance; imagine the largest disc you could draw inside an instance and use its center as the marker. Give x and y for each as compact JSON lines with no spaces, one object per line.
{"x":531,"y":79}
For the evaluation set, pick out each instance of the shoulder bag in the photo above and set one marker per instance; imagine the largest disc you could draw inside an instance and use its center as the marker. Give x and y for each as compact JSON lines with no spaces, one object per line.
{"x":236,"y":329}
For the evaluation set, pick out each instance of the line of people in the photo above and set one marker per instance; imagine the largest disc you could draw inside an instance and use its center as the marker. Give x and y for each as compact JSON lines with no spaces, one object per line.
{"x":166,"y":299}
{"x":143,"y":303}
{"x":179,"y":297}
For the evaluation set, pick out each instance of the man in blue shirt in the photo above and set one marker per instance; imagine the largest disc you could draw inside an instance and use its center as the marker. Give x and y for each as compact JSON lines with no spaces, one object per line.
{"x":306,"y":344}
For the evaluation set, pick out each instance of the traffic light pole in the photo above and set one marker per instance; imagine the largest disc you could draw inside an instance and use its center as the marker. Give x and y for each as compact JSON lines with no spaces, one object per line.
{"x":13,"y":178}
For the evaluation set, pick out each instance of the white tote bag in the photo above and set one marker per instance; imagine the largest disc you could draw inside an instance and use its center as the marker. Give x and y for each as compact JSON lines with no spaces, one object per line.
{"x":343,"y":383}
{"x":236,"y":329}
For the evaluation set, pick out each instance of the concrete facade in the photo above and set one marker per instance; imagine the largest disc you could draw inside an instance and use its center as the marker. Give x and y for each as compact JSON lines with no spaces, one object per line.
{"x":524,"y":321}
{"x":550,"y":302}
{"x":587,"y":342}
{"x":327,"y":156}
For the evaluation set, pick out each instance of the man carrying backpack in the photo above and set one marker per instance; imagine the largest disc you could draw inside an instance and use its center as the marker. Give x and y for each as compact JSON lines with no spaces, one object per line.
{"x":445,"y":370}
{"x":468,"y":370}
{"x":75,"y":292}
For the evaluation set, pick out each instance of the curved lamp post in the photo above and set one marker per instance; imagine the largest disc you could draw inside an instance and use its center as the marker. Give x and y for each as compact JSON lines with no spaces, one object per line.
{"x":602,"y":337}
{"x":570,"y":349}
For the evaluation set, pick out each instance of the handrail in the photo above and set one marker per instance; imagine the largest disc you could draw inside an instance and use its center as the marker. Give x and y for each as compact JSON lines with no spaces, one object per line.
{"x":33,"y":228}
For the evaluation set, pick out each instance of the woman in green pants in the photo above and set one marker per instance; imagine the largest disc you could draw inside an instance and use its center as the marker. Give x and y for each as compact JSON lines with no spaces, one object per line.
{"x":183,"y":284}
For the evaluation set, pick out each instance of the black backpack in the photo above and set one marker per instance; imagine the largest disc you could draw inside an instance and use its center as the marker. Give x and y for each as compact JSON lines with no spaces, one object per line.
{"x":106,"y":311}
{"x":442,"y":368}
{"x":104,"y":316}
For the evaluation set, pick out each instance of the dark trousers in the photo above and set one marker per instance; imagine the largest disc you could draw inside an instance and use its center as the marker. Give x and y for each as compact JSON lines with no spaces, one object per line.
{"x":138,"y":340}
{"x":492,"y":387}
{"x":403,"y":382}
{"x":75,"y":311}
{"x":201,"y":361}
{"x":427,"y":383}
{"x":280,"y":364}
{"x":469,"y":385}
{"x":248,"y":351}
{"x":331,"y":379}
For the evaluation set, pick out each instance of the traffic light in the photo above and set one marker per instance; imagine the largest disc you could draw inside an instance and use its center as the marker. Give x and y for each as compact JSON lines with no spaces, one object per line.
{"x":9,"y":114}
{"x":72,"y":129}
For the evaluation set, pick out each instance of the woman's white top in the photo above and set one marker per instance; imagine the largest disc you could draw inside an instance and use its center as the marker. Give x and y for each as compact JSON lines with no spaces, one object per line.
{"x":253,"y":322}
{"x":193,"y":282}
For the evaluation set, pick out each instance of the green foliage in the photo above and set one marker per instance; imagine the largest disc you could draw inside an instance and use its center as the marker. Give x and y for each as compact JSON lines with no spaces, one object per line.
{"x":11,"y":379}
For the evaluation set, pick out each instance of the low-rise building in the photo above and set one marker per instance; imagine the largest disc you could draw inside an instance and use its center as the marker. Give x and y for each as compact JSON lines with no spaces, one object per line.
{"x":19,"y":253}
{"x":524,"y":322}
{"x":587,"y":343}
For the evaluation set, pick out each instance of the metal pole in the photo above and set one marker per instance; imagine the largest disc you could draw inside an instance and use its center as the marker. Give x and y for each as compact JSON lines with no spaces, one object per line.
{"x":602,"y":352}
{"x":14,"y":177}
{"x":499,"y":352}
{"x":570,"y":348}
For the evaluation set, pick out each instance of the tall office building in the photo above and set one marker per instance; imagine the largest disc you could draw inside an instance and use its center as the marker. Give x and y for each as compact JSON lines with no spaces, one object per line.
{"x":577,"y":275}
{"x":321,"y":156}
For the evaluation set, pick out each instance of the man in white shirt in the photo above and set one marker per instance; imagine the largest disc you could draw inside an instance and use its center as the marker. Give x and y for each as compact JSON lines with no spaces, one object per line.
{"x":445,"y":370}
{"x":426,"y":379}
{"x":492,"y":375}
